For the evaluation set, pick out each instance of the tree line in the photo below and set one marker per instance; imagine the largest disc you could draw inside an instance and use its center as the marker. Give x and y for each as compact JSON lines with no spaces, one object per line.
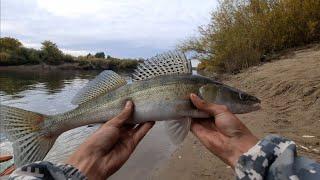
{"x":12,"y":52}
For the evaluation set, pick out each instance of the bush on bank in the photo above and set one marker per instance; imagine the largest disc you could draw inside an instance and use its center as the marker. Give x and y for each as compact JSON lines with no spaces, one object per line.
{"x":242,"y":33}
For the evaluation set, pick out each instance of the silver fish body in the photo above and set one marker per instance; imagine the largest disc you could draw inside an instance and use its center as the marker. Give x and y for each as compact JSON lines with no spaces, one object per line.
{"x":163,"y":98}
{"x":158,"y":99}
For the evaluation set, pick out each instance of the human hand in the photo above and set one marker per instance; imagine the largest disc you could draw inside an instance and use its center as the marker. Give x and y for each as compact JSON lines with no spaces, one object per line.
{"x":223,"y":134}
{"x":10,"y":169}
{"x":105,"y":151}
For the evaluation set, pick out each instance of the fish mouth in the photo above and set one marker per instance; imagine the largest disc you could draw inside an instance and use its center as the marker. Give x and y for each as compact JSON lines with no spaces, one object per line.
{"x":251,"y":108}
{"x":254,"y":103}
{"x":253,"y":99}
{"x":257,"y":100}
{"x":244,"y":108}
{"x":256,"y":106}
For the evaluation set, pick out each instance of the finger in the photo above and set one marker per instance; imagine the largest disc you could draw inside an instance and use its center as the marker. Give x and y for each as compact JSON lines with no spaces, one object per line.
{"x":122,"y":117}
{"x":128,"y":130}
{"x":5,"y":158}
{"x":141,"y":131}
{"x":207,"y":123}
{"x":199,"y":130}
{"x":206,"y":136}
{"x":127,"y":127}
{"x":210,"y":108}
{"x":8,"y":171}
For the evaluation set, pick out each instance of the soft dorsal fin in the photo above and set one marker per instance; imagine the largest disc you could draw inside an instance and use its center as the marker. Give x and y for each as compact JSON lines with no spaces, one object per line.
{"x":103,"y":83}
{"x":172,"y":62}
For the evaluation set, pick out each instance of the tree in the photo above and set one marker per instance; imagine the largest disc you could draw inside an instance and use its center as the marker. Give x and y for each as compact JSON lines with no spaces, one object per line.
{"x":33,"y":56}
{"x":4,"y":58}
{"x":68,"y":58}
{"x":100,"y":55}
{"x":8,"y":43}
{"x":51,"y":53}
{"x":90,"y":55}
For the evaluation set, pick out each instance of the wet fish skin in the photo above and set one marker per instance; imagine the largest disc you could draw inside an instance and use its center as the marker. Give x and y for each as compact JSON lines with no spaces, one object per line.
{"x":157,"y":99}
{"x":161,"y":98}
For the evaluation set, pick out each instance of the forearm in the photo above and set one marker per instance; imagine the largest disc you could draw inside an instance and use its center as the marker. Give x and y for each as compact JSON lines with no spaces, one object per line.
{"x":275,"y":157}
{"x":47,"y":170}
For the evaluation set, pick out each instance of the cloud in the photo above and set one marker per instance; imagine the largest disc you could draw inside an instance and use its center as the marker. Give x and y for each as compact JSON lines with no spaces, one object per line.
{"x":124,"y":28}
{"x":70,"y":8}
{"x":75,"y":52}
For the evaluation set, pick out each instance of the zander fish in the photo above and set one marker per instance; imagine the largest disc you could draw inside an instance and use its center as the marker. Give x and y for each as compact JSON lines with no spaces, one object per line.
{"x":160,"y":91}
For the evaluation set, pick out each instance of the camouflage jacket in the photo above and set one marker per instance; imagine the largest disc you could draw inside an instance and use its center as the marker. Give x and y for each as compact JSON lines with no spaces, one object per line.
{"x":273,"y":157}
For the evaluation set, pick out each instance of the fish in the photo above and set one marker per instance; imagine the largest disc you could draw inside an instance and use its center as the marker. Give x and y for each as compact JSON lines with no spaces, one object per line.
{"x":159,"y":90}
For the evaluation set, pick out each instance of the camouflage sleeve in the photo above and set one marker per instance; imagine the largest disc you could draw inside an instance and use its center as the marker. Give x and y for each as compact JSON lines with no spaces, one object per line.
{"x":46,"y":170}
{"x":275,"y":157}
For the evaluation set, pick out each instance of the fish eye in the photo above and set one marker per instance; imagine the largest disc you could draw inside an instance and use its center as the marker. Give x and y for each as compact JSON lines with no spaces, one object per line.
{"x":243,"y":96}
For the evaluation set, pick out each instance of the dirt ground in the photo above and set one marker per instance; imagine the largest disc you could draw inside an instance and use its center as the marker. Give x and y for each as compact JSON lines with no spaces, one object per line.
{"x":289,"y":89}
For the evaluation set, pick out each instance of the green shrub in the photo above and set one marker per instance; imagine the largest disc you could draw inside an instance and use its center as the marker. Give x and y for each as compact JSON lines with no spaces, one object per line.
{"x":68,"y":58}
{"x":128,"y":64}
{"x":241,"y":32}
{"x":99,"y":55}
{"x":8,"y":43}
{"x":111,"y":63}
{"x":50,"y":53}
{"x":4,"y":58}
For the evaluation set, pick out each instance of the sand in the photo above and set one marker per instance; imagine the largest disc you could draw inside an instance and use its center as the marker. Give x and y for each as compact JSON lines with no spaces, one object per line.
{"x":289,"y":88}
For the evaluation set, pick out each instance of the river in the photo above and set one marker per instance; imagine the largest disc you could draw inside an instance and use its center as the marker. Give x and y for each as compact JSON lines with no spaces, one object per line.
{"x":50,"y":92}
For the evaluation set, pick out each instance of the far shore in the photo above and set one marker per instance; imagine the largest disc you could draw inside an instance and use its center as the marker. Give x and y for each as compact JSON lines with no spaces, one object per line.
{"x":64,"y":66}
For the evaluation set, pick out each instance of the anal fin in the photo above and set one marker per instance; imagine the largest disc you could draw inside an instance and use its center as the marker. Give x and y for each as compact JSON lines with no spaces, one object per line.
{"x":177,"y":130}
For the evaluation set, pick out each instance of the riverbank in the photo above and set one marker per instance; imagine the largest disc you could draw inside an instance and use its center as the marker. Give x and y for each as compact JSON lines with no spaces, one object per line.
{"x":289,"y":89}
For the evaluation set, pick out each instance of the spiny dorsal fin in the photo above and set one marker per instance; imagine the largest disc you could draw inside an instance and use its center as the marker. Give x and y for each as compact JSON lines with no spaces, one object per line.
{"x":172,"y":62}
{"x":103,"y":83}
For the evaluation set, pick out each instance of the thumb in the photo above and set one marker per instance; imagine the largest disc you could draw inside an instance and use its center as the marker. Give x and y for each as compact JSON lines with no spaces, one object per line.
{"x":121,"y":118}
{"x":210,"y":108}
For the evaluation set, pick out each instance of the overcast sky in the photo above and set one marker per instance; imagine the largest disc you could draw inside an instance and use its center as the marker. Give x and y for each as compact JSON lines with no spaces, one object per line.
{"x":121,"y":28}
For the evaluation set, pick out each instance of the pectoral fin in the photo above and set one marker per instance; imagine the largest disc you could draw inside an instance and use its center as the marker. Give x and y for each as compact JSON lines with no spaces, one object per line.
{"x":178,"y":129}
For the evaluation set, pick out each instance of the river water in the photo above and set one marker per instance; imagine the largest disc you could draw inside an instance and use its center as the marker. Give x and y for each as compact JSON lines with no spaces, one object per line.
{"x":50,"y":92}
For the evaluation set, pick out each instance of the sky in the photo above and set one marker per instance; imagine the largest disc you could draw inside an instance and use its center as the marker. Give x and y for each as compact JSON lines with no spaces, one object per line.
{"x":120,"y":28}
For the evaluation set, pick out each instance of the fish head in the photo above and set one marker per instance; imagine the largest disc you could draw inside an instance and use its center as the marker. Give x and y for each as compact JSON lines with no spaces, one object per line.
{"x":237,"y":101}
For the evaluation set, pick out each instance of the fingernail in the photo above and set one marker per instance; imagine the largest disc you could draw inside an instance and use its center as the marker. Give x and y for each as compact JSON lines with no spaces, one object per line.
{"x":128,"y":104}
{"x":193,"y":95}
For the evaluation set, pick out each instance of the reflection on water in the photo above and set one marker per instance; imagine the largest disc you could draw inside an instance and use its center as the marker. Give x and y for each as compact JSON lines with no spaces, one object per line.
{"x":50,"y":92}
{"x":46,"y":92}
{"x":14,"y":82}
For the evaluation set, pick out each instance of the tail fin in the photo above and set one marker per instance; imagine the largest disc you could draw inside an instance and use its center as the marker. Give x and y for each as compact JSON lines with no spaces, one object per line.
{"x":23,"y":128}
